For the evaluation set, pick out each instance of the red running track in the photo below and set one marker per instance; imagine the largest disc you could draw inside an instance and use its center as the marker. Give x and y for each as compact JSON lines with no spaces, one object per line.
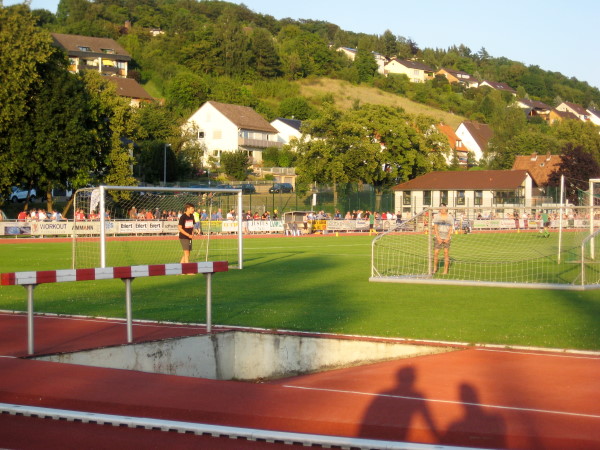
{"x":469,"y":397}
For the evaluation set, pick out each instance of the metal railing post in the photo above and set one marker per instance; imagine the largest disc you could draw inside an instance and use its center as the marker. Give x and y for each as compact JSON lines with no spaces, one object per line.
{"x":30,"y":333}
{"x":208,"y":302}
{"x":128,"y":309}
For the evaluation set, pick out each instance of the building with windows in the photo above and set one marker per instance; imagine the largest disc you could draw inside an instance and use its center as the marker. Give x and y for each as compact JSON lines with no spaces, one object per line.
{"x":486,"y":190}
{"x":222,"y":127}
{"x":105,"y":56}
{"x":417,"y":72}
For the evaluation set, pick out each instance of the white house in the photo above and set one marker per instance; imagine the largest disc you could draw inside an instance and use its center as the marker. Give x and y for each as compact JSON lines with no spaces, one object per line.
{"x":486,"y":190}
{"x":475,"y":137}
{"x":579,"y":111}
{"x":287,"y":129}
{"x":223,"y":127}
{"x":417,"y":72}
{"x":594,"y":116}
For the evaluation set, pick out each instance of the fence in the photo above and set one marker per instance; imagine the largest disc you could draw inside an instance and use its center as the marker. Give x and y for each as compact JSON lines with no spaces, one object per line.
{"x":128,"y":273}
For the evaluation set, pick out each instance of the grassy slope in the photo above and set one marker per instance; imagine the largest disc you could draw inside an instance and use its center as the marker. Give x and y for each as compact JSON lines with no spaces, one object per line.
{"x":320,"y":284}
{"x":346,"y":93}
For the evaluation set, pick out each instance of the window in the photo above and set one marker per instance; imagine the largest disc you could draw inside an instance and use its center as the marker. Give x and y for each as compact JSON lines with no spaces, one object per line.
{"x":84,"y":49}
{"x":406,"y":198}
{"x":444,"y":197}
{"x":426,"y":198}
{"x":200,"y":134}
{"x":460,"y":198}
{"x":108,"y":51}
{"x":478,"y":198}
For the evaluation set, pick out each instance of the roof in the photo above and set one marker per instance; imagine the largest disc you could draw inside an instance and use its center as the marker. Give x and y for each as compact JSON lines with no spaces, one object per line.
{"x":72,"y":43}
{"x":578,"y":109}
{"x":499,"y":86}
{"x":459,"y":74}
{"x":294,"y":123}
{"x":594,"y":112}
{"x":243,"y":117}
{"x":448,"y":131}
{"x":534,"y":104}
{"x":539,"y":166}
{"x":481,"y":132}
{"x":128,"y":87}
{"x":565,"y":114}
{"x":413,"y":64}
{"x":469,"y":180}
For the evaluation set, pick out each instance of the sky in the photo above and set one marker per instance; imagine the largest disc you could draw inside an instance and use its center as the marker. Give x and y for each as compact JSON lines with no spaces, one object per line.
{"x":555,"y":35}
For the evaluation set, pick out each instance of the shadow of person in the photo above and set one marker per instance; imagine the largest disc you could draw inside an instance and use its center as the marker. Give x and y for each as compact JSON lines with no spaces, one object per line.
{"x":399,"y":411}
{"x":476,"y":427}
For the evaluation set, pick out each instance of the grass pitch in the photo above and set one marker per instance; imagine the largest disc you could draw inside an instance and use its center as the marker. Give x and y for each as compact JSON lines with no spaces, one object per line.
{"x":318,"y":284}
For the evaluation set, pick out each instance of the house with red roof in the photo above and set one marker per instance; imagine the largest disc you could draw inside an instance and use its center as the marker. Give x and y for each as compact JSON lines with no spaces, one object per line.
{"x":456,"y":145}
{"x":539,"y":167}
{"x":485,"y":190}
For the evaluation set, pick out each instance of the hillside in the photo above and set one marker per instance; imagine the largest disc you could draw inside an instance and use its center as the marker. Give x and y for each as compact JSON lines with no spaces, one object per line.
{"x":346,"y":94}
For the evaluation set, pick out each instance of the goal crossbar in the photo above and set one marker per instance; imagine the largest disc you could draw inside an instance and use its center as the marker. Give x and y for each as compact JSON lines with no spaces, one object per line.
{"x":96,"y":199}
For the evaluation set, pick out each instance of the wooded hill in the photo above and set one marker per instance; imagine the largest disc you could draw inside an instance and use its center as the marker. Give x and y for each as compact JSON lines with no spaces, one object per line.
{"x":190,"y":51}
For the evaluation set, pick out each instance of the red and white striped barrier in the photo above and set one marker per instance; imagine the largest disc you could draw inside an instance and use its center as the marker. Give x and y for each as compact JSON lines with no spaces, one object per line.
{"x":127,"y":273}
{"x":108,"y":273}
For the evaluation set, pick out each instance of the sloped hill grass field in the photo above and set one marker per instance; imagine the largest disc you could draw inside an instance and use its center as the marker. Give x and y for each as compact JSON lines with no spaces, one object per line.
{"x":346,"y":94}
{"x":318,"y":284}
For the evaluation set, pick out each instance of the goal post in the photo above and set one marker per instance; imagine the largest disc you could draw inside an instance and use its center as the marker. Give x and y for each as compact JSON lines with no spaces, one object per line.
{"x":505,"y":248}
{"x":132,"y":225}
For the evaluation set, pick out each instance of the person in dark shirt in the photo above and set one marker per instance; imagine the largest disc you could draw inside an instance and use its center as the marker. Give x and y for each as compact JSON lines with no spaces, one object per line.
{"x":186,"y":232}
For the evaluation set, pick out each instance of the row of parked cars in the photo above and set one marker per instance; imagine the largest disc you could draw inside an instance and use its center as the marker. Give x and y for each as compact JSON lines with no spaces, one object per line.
{"x":18,"y":195}
{"x":248,"y":188}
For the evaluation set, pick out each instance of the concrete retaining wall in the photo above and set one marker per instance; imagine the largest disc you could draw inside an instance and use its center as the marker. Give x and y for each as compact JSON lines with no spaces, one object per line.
{"x":243,"y":355}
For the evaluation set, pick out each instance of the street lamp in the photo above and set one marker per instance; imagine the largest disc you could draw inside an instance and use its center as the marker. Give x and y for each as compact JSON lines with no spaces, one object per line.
{"x":165,"y":164}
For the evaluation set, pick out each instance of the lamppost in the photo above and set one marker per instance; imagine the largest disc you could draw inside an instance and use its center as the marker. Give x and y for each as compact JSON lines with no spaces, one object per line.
{"x":165,"y":164}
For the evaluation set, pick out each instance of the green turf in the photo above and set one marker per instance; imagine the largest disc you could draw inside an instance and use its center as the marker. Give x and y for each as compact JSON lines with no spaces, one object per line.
{"x":320,"y":284}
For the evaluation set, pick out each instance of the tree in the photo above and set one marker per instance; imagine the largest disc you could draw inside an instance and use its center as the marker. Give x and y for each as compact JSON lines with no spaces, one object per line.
{"x":295,"y":108}
{"x":235,"y":164}
{"x":265,"y":58}
{"x":366,"y":66}
{"x":577,"y":166}
{"x":112,"y":118}
{"x":24,"y":48}
{"x":390,"y":44}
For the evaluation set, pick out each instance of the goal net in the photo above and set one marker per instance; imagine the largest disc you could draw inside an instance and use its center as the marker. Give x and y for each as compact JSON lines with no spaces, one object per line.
{"x":123,"y":225}
{"x":544,"y":248}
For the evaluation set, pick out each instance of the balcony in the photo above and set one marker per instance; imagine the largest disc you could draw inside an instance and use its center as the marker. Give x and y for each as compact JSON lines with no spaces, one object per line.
{"x":258,"y":143}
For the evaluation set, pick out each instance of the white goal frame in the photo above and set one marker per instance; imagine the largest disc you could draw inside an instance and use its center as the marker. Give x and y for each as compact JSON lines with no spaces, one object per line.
{"x":385,"y":268}
{"x":102,"y":212}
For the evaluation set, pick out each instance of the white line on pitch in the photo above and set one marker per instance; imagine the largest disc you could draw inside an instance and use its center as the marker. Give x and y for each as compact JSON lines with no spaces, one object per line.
{"x":552,"y":355}
{"x":513,"y":408}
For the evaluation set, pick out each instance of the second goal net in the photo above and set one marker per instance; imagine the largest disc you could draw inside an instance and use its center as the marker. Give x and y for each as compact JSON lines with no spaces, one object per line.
{"x":543,"y":249}
{"x":123,"y":225}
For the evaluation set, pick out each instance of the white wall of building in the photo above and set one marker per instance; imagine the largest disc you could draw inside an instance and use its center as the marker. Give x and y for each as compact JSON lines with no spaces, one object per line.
{"x":469,"y":142}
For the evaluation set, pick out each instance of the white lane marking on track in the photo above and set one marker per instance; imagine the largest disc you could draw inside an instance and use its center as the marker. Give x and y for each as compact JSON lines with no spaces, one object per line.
{"x":552,"y":355}
{"x":116,"y":321}
{"x":453,"y":402}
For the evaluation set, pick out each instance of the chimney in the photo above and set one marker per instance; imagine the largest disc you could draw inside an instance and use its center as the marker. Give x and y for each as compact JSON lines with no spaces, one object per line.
{"x":534,"y":156}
